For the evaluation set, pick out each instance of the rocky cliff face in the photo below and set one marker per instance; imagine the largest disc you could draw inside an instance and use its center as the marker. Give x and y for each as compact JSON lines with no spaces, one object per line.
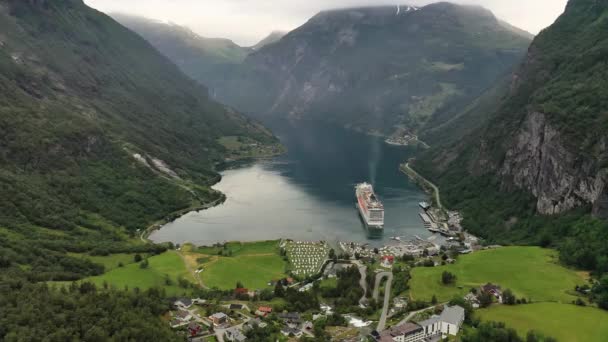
{"x":539,"y":161}
{"x":547,"y":135}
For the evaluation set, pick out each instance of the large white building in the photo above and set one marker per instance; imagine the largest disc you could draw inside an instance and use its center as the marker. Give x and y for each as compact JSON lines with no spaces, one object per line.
{"x":448,"y":323}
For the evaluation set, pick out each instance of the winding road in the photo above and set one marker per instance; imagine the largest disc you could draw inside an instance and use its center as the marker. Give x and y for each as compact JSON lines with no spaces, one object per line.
{"x":406,"y":168}
{"x":362,"y":281}
{"x":387,"y":296}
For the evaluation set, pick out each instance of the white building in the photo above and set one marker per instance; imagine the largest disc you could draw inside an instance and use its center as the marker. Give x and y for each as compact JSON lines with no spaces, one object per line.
{"x":448,"y":323}
{"x":451,"y":320}
{"x":408,"y":332}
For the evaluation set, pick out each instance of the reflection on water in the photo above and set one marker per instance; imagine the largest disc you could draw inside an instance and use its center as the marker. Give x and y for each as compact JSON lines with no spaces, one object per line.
{"x":307,"y":193}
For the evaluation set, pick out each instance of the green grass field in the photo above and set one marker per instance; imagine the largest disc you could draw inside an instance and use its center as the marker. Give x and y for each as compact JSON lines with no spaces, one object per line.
{"x":565,"y":322}
{"x":531,"y":272}
{"x":252,"y":263}
{"x":254,"y":271}
{"x":167,"y":264}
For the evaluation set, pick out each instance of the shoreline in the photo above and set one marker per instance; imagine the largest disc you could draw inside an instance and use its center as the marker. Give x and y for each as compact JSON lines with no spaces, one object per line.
{"x":171,"y":217}
{"x":427,"y":186}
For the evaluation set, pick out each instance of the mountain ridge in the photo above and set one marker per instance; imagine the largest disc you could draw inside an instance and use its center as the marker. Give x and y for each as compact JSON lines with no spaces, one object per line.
{"x":357,"y":67}
{"x":536,"y":170}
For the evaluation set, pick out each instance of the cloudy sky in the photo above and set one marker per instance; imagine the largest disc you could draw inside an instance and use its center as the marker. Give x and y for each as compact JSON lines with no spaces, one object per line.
{"x":247,"y":21}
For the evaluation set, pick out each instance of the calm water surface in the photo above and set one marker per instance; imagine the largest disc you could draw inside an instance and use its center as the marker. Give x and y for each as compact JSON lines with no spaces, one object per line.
{"x":308,"y":193}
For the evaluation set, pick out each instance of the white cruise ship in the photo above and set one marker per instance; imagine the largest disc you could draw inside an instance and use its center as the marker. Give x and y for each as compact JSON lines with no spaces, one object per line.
{"x":370,"y":207}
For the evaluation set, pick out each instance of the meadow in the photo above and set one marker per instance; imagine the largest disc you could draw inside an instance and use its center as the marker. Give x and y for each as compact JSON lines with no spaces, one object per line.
{"x":252,"y":264}
{"x":530,"y":272}
{"x":565,"y":322}
{"x":168,"y":265}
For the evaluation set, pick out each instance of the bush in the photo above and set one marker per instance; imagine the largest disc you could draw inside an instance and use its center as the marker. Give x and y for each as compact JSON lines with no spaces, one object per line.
{"x":448,"y":278}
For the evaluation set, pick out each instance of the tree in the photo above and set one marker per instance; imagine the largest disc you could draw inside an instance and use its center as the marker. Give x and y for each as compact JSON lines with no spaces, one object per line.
{"x":279,"y":291}
{"x":137,"y":257}
{"x":485,"y":299}
{"x":508,"y":297}
{"x":332,"y":254}
{"x":448,"y":278}
{"x":239,"y":285}
{"x":434,"y":300}
{"x":144,"y":264}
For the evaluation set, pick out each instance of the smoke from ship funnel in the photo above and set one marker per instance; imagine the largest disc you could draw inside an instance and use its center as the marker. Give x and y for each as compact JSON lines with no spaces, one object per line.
{"x":374,"y":159}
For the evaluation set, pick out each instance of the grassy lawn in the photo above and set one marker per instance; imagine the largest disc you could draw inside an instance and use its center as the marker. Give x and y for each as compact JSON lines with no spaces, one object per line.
{"x":254,"y":271}
{"x":167,"y":264}
{"x":244,"y":248}
{"x":329,"y":283}
{"x":531,"y":272}
{"x":252,"y":263}
{"x":565,"y":322}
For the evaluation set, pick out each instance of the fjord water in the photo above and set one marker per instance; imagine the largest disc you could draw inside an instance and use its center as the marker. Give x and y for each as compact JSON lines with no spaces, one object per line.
{"x":308,"y":193}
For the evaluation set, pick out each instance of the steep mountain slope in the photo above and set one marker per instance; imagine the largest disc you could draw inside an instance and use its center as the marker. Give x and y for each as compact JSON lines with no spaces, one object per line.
{"x":100,"y":135}
{"x":377,"y":69}
{"x":195,"y":55}
{"x":543,"y":149}
{"x":273,"y":37}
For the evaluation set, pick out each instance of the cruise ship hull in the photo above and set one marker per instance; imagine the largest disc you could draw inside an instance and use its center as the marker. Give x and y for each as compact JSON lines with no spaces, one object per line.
{"x":369,"y":206}
{"x":368,"y":225}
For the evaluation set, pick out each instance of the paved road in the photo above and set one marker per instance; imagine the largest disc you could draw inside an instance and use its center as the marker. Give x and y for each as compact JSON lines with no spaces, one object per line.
{"x":362,"y":281}
{"x":387,"y":296}
{"x":428,"y":182}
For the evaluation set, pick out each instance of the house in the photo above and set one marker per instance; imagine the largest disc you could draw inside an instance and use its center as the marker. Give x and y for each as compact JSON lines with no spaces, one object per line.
{"x":448,"y":323}
{"x":306,"y":287}
{"x":176,"y":323}
{"x":408,"y":332}
{"x":183,"y":315}
{"x":183,"y":303}
{"x":241,"y":291}
{"x":219,"y":318}
{"x":387,"y":260}
{"x":290,"y":317}
{"x":451,"y":320}
{"x":308,"y":326}
{"x":254,"y":322}
{"x":472,"y":299}
{"x":234,"y":334}
{"x":194,"y":329}
{"x":433,"y":250}
{"x":199,"y":301}
{"x":431,"y":326}
{"x":263,"y":311}
{"x":492,"y":289}
{"x":236,"y":306}
{"x":287,"y":331}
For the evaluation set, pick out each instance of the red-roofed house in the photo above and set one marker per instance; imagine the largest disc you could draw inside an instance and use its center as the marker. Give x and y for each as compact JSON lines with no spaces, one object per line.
{"x":263,"y":311}
{"x":387,"y":260}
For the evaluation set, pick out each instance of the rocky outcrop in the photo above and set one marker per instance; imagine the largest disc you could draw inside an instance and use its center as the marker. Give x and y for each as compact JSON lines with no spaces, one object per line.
{"x":540,"y":162}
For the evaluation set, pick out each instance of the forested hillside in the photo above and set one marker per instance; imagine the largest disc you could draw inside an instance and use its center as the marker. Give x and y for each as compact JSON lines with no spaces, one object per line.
{"x":377,"y":69}
{"x":100,"y":136}
{"x":535,"y":172}
{"x":198,"y":57}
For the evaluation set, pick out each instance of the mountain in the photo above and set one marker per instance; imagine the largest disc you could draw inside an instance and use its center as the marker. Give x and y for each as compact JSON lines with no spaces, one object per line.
{"x":376,"y":69}
{"x":273,"y":37}
{"x":100,"y":136}
{"x":194,"y":55}
{"x":536,"y":169}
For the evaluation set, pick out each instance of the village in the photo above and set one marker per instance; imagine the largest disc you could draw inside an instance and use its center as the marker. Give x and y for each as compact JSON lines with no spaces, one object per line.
{"x":315,"y":266}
